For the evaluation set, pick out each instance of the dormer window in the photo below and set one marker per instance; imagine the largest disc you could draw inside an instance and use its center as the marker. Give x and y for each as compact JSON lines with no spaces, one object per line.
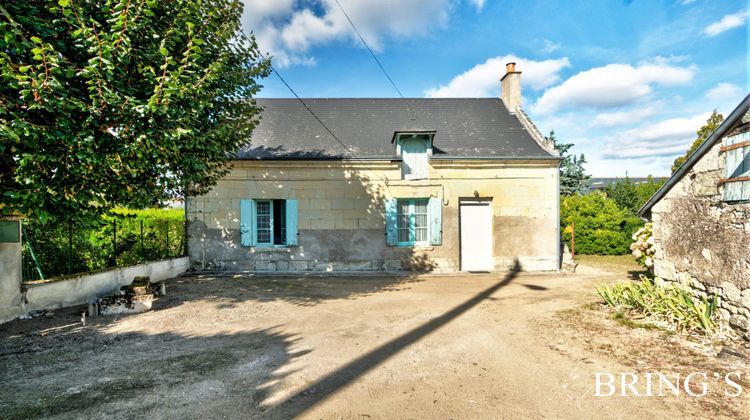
{"x":415,"y":150}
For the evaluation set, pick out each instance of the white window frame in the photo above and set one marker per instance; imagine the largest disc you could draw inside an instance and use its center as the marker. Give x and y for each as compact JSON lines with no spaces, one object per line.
{"x":412,"y":222}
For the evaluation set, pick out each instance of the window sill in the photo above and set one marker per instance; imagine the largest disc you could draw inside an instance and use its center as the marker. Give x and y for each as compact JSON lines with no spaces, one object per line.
{"x":268,"y":249}
{"x":416,"y":246}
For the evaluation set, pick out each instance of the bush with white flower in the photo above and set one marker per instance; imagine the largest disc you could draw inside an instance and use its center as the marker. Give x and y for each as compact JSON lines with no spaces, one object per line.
{"x":643,"y":248}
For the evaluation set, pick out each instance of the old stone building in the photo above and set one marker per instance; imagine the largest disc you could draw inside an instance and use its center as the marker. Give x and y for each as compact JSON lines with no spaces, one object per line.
{"x":385,"y":184}
{"x":701,"y":220}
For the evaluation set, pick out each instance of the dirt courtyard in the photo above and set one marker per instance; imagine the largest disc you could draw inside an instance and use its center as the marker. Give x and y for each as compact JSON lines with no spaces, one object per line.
{"x":436,"y":346}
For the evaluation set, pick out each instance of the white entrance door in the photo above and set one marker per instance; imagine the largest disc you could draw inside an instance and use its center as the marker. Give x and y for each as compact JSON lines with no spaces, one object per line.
{"x":476,"y":235}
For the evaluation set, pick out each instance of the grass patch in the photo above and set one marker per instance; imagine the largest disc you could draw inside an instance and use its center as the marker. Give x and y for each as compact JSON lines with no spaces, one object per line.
{"x":623,"y":319}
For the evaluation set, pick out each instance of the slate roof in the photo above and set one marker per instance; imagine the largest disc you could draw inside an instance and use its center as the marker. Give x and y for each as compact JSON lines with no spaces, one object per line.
{"x":469,"y":128}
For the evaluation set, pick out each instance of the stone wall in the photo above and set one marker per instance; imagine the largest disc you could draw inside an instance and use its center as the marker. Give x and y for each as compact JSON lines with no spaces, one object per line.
{"x":703,"y":242}
{"x":85,"y":288}
{"x":341,"y":215}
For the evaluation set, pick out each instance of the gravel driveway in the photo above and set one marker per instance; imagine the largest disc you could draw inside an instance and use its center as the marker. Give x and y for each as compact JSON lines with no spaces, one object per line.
{"x":448,"y":346}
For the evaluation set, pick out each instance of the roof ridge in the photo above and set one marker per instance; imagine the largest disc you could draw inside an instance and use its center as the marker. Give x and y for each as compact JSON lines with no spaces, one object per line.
{"x":537,"y":135}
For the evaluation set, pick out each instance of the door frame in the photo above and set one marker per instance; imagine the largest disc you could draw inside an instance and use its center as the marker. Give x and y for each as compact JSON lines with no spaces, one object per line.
{"x":475,"y":201}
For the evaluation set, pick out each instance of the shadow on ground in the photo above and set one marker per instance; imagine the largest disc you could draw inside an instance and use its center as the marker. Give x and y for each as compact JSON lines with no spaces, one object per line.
{"x":56,"y":366}
{"x":89,"y":372}
{"x":302,"y":290}
{"x":323,"y":388}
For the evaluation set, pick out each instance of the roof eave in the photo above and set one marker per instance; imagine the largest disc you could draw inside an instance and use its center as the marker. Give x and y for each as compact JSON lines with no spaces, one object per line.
{"x":735,"y":116}
{"x":447,"y":157}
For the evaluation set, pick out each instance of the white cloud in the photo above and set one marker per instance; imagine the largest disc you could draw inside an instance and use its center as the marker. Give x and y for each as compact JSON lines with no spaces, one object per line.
{"x":613,"y":119}
{"x":726,"y":23}
{"x":484,"y":79}
{"x":723,"y":92}
{"x":686,"y":2}
{"x":479,"y":4}
{"x":288,"y":33}
{"x":670,"y":137}
{"x":612,"y":85}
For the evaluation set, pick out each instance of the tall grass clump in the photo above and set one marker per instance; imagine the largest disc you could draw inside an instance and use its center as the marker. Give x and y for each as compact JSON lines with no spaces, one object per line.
{"x":671,"y":304}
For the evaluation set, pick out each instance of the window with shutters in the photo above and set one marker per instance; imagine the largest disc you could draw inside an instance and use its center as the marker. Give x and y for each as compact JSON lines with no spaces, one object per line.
{"x":736,"y":182}
{"x":413,"y":222}
{"x":268,"y":222}
{"x":415,"y":151}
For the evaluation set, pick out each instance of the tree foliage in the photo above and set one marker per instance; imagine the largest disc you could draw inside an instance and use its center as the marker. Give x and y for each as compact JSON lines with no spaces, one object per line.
{"x":631,"y":196}
{"x":573,"y":177}
{"x":713,"y":122}
{"x":601,"y":227}
{"x":120,"y":102}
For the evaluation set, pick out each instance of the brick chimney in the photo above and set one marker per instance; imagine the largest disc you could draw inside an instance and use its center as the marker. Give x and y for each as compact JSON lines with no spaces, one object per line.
{"x":511,"y":84}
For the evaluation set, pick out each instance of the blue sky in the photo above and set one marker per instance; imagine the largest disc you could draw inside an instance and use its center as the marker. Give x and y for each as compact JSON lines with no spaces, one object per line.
{"x":629,"y":82}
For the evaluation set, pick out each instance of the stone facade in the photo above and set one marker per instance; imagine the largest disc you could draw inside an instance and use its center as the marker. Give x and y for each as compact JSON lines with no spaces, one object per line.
{"x":341,"y":215}
{"x":704,"y":242}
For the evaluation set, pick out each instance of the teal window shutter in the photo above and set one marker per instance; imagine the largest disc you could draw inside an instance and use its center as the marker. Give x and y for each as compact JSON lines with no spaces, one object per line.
{"x":391,"y":232}
{"x":246,"y":223}
{"x":291,"y":222}
{"x":737,"y":166}
{"x":415,"y":161}
{"x":435,"y":214}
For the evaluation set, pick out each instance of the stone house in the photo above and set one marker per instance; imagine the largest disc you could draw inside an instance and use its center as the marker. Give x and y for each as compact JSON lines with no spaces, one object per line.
{"x":385,"y":184}
{"x":701,"y":219}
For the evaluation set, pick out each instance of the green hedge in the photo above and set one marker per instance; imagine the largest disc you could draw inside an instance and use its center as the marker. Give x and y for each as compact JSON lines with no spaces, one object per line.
{"x":64,"y":248}
{"x":601,"y":226}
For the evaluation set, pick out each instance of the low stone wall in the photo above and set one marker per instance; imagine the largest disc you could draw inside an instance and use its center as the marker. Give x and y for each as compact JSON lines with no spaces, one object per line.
{"x":734,"y":303}
{"x":82,"y":289}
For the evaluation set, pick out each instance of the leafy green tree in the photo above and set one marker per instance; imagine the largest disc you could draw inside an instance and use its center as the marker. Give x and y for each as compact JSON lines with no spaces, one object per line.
{"x":116,"y":102}
{"x":601,"y":226}
{"x":573,"y":178}
{"x":631,"y":196}
{"x":713,"y":122}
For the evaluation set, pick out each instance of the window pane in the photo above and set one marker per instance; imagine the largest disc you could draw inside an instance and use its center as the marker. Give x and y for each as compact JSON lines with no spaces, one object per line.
{"x":263,"y":209}
{"x":420,"y":235}
{"x":403,"y":214}
{"x":420,"y":221}
{"x":403,"y":221}
{"x":264,"y":236}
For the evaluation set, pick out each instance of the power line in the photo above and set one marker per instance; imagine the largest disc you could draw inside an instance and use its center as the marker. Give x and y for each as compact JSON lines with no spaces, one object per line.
{"x":351,"y":152}
{"x":368,"y":49}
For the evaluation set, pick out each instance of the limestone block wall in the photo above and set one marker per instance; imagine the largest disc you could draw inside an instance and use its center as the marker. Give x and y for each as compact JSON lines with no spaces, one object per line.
{"x":341,"y":218}
{"x":703,"y":242}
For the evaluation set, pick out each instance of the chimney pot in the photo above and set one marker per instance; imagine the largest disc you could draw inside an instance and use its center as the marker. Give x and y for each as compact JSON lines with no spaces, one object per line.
{"x":510,"y":67}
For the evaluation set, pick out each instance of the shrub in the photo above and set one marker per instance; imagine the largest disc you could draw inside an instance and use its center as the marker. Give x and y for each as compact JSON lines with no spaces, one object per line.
{"x":92,"y":242}
{"x":601,"y":227}
{"x":643,"y":248}
{"x":631,"y":196}
{"x":671,"y":304}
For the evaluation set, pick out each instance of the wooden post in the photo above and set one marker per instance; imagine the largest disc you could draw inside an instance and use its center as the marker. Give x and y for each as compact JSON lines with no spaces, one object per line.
{"x":143,"y":257}
{"x":573,"y":239}
{"x":114,"y":242}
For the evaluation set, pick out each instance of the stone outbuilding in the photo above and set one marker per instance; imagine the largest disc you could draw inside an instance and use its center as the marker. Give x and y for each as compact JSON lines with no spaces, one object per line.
{"x":701,"y":220}
{"x":385,"y":184}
